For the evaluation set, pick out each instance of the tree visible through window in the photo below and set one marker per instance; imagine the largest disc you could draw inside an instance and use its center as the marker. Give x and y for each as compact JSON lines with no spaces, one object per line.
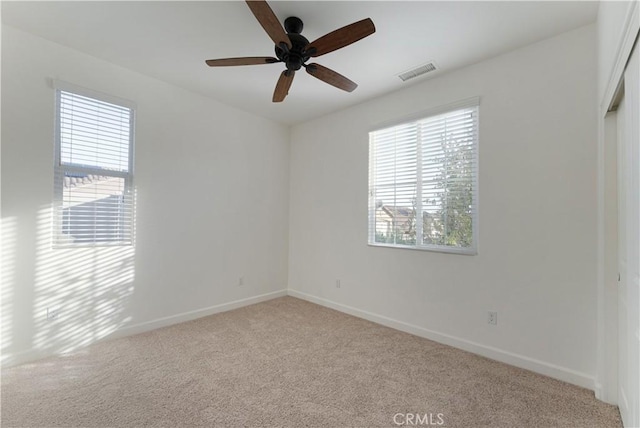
{"x":423,"y":182}
{"x":93,"y":171}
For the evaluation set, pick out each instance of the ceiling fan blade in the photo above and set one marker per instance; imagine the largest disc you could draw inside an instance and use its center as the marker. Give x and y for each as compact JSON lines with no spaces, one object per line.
{"x":283,"y":85}
{"x":265,"y":16}
{"x":249,"y":60}
{"x":341,"y":37}
{"x":331,"y":77}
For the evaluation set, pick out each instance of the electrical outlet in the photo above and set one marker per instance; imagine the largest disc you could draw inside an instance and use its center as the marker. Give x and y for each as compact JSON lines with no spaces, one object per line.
{"x":240,"y":281}
{"x":493,"y":318}
{"x":337,"y":283}
{"x":52,"y":313}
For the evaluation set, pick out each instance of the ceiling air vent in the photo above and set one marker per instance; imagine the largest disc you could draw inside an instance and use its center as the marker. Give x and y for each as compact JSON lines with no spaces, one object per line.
{"x":418,"y":71}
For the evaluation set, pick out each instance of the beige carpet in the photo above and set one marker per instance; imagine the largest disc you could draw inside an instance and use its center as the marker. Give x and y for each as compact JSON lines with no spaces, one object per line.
{"x":287,"y":362}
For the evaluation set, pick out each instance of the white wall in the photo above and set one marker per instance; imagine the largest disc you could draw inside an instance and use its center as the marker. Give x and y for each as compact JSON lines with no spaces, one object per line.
{"x":537,"y":246}
{"x":212,"y":205}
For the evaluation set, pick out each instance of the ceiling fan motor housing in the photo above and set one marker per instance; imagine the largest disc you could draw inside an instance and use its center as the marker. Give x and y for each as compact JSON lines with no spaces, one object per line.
{"x":296,"y":56}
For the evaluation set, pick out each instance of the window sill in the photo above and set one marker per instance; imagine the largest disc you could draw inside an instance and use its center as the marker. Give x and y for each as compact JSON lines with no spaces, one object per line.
{"x":447,"y":250}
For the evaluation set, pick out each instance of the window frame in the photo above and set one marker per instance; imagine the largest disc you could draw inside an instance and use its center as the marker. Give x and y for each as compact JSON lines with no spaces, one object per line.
{"x":416,"y":117}
{"x":58,"y":242}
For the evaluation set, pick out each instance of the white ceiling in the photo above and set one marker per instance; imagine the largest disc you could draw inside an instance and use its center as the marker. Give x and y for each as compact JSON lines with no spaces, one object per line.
{"x":171,"y":40}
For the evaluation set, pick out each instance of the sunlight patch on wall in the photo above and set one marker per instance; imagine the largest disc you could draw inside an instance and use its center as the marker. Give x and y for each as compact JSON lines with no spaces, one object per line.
{"x":7,"y":279}
{"x":82,"y":294}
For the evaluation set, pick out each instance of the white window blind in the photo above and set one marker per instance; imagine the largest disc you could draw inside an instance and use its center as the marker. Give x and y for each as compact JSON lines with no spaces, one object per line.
{"x":423,"y":183}
{"x":93,"y":172}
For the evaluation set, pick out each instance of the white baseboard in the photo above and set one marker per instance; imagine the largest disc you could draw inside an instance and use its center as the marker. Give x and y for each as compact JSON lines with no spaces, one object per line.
{"x":561,"y":373}
{"x":600,"y":392}
{"x":551,"y":370}
{"x":9,"y":360}
{"x":16,"y":358}
{"x":188,"y":316}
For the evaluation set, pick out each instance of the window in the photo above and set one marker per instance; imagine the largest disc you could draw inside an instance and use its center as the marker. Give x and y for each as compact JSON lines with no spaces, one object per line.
{"x":93,"y":198}
{"x":423,"y":182}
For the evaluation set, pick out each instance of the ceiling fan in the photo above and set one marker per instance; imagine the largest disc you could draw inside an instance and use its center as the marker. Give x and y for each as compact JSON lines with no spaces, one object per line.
{"x":293,"y":49}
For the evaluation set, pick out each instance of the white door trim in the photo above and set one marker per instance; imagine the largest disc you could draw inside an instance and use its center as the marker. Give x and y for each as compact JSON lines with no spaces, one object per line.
{"x":606,"y":384}
{"x":628,"y":37}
